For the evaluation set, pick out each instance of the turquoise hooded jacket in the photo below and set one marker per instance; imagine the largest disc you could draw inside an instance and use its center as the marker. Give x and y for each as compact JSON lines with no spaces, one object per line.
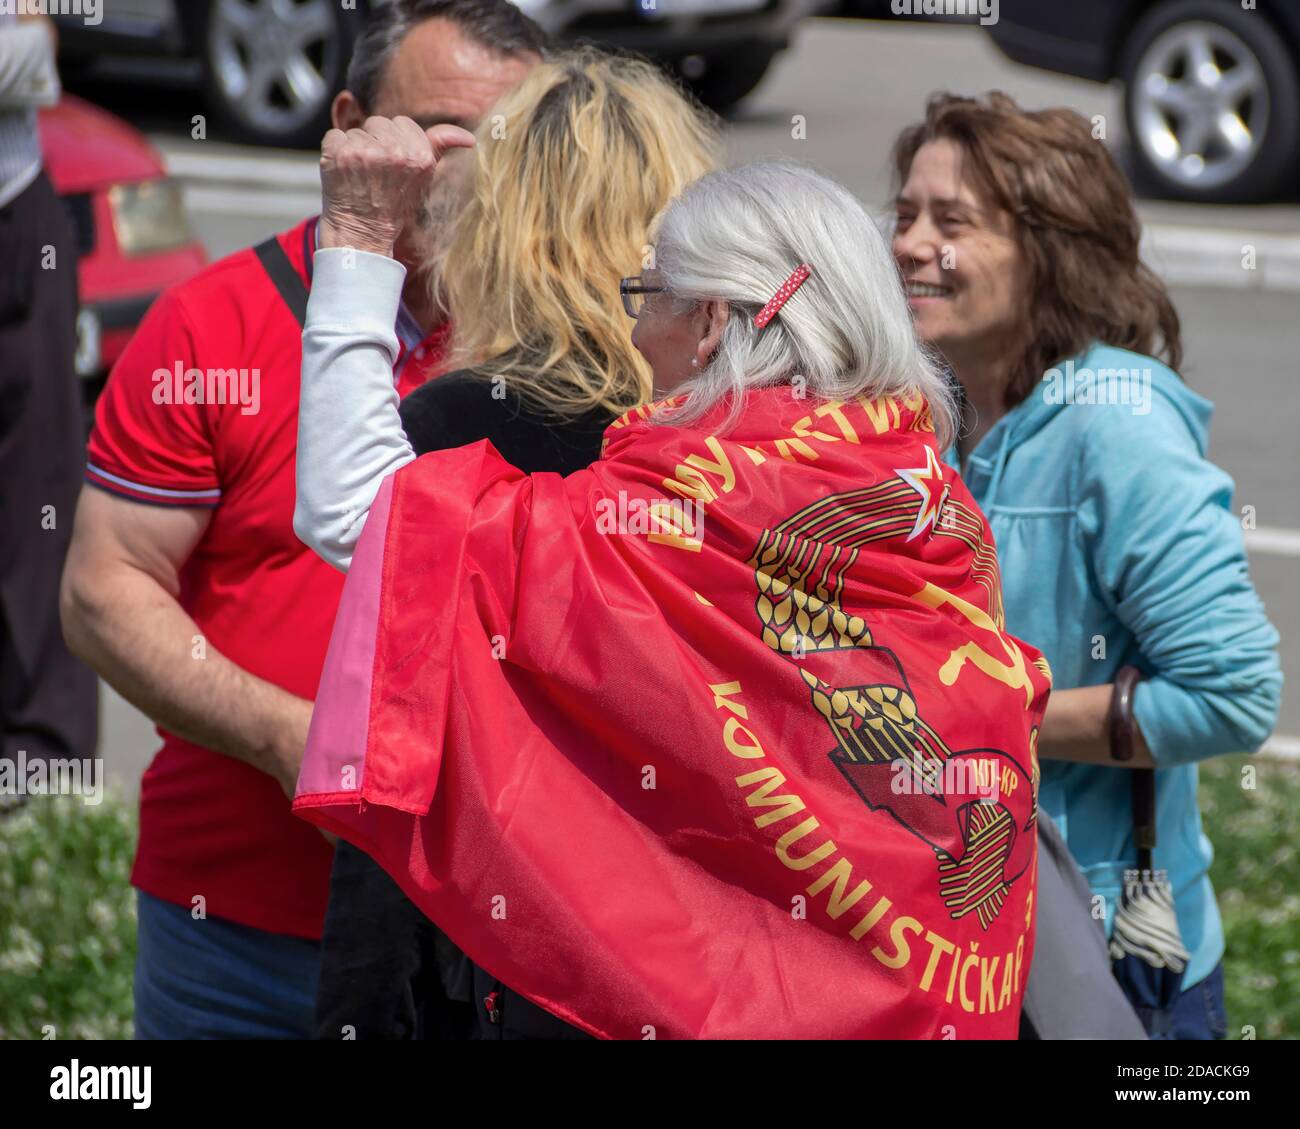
{"x":1118,"y":544}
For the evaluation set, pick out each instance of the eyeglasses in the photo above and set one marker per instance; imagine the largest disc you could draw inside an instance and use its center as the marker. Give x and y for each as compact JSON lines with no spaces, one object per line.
{"x":634,"y":292}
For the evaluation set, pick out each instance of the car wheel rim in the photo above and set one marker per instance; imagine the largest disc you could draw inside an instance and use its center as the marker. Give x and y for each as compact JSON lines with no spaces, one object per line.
{"x":272,"y":58}
{"x":1200,"y":102}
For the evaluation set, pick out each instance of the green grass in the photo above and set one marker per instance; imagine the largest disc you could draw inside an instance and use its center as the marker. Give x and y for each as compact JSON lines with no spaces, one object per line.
{"x":1256,"y":875}
{"x":67,"y":912}
{"x":67,"y":919}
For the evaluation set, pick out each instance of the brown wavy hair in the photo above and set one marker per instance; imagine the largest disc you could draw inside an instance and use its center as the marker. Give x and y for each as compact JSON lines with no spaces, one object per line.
{"x":1075,"y":224}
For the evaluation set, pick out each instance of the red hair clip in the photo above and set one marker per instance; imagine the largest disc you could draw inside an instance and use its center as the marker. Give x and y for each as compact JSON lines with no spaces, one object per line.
{"x":782,"y":296}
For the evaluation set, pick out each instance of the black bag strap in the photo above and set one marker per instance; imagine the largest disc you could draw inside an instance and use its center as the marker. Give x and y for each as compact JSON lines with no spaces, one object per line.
{"x":287,"y":280}
{"x":1143,"y":780}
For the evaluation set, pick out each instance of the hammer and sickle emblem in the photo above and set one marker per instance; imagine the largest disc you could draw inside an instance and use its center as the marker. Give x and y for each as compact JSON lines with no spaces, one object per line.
{"x":1012,"y":674}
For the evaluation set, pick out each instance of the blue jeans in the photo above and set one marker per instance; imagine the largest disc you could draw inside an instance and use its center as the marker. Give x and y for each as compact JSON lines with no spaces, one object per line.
{"x":213,"y":979}
{"x":1199,"y":1013}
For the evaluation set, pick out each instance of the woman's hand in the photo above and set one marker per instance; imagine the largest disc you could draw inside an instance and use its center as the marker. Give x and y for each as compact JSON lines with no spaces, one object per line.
{"x":373,"y":178}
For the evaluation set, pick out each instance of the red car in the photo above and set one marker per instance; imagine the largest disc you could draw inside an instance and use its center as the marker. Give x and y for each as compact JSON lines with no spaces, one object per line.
{"x":133,"y":239}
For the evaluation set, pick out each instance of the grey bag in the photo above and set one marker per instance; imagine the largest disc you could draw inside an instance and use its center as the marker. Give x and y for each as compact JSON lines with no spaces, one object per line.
{"x":1071,"y":993}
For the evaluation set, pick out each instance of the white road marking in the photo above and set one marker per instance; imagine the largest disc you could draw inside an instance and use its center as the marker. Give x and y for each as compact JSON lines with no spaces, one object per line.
{"x":269,"y":172}
{"x":1281,"y":542}
{"x":1223,"y":258}
{"x":1281,"y":747}
{"x":241,"y":202}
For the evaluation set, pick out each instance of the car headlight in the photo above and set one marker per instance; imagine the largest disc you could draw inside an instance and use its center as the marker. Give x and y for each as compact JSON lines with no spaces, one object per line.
{"x":148,"y":217}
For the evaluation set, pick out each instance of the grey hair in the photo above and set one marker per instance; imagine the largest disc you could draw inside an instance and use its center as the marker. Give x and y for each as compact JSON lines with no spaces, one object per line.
{"x":737,"y":235}
{"x":495,"y":24}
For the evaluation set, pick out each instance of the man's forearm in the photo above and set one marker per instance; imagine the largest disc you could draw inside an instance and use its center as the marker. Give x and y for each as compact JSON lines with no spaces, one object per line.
{"x":149,"y":649}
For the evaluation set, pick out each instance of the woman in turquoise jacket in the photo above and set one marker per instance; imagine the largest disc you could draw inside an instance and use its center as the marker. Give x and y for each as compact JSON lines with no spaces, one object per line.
{"x":1017,"y":239}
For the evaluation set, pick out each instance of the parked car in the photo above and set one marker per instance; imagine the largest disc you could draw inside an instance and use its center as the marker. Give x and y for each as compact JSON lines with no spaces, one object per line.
{"x":270,"y":68}
{"x":720,"y":48}
{"x":132,"y":237}
{"x":1211,"y":87}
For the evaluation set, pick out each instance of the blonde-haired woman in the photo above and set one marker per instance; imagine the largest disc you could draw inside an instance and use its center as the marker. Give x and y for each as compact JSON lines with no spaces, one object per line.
{"x":560,"y":190}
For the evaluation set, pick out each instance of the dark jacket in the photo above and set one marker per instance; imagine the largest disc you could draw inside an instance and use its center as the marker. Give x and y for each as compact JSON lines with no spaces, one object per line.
{"x":461,"y":408}
{"x":386,"y":970}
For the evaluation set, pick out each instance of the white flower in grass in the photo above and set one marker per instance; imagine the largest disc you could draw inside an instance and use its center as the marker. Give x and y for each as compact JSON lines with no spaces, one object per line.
{"x":101,"y":915}
{"x":23,"y":952}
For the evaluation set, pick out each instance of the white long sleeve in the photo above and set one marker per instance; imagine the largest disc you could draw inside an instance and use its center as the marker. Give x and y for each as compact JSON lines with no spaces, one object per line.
{"x":350,"y":435}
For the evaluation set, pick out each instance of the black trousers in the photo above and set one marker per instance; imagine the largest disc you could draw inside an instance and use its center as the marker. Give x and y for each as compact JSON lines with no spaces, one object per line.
{"x":382,"y":962}
{"x":389,"y":973}
{"x":48,"y":699}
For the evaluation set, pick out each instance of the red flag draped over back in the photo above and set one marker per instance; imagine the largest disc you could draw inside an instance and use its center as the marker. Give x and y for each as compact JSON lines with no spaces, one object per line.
{"x":721,"y":737}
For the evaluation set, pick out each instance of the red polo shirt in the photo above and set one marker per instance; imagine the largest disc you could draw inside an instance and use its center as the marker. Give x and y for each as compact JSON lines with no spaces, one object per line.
{"x":211,"y":826}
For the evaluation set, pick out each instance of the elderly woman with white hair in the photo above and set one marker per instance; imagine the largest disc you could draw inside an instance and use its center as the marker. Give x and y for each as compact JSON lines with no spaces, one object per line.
{"x":722,"y":736}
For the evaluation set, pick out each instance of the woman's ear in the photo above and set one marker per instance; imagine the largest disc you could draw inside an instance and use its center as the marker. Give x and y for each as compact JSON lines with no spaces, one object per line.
{"x":716,"y":313}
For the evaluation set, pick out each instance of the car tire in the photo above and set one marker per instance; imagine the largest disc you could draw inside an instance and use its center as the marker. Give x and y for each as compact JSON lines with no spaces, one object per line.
{"x":726,"y":79}
{"x":1176,"y":150}
{"x":313,"y":50}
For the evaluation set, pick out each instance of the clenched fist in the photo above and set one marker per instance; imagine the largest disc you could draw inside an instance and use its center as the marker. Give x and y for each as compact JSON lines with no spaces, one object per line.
{"x":373,"y":178}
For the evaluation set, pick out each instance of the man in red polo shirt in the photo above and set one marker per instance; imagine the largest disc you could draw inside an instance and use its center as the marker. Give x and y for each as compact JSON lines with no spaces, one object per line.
{"x":187,"y":589}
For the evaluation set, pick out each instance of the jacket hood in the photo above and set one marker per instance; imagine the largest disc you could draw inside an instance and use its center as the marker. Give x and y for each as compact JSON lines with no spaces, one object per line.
{"x":1101,"y":375}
